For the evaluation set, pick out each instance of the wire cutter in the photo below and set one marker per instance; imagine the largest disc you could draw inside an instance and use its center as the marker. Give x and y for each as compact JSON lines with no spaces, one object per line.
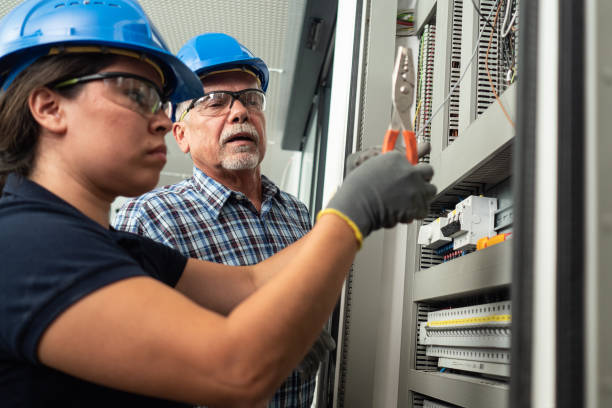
{"x":403,"y":95}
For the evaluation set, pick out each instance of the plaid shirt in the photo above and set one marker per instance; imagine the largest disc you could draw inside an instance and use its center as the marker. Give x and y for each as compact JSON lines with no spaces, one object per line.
{"x":204,"y":219}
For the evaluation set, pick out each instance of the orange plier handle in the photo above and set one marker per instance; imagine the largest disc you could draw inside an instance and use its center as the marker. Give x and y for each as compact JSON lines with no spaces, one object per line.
{"x":409,"y":141}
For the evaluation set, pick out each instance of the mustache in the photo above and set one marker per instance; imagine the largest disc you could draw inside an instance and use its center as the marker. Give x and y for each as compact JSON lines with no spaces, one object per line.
{"x":239,"y":129}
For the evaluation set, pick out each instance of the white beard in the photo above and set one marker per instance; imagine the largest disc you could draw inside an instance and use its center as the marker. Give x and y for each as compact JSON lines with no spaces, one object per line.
{"x":241,"y":161}
{"x":241,"y":157}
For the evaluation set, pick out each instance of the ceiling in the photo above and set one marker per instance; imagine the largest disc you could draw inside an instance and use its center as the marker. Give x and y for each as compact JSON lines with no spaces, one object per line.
{"x":271,"y":29}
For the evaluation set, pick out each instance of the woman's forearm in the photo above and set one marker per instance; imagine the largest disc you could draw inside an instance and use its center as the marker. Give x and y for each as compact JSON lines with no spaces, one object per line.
{"x":284,"y":317}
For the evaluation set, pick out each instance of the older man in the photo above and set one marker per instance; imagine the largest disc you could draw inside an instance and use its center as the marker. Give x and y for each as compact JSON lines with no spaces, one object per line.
{"x":227,"y":212}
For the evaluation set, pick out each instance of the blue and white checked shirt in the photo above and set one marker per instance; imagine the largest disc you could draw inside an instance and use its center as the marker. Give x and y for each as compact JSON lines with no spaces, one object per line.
{"x":204,"y":219}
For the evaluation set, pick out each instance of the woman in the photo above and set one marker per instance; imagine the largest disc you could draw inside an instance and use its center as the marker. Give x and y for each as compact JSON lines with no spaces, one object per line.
{"x":95,"y":317}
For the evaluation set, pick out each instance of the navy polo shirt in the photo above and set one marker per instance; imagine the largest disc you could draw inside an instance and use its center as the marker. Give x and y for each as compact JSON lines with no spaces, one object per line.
{"x":51,"y":256}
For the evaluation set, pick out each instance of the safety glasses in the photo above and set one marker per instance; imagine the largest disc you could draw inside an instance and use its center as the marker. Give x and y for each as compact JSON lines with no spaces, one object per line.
{"x":128,"y":90}
{"x":219,"y":102}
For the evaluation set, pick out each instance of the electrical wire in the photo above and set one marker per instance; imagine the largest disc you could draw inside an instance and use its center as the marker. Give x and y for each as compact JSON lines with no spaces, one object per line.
{"x":505,"y":31}
{"x":404,"y":23}
{"x":489,"y":73}
{"x":507,"y":45}
{"x":486,"y":19}
{"x":421,"y":130}
{"x":506,"y":13}
{"x":405,"y":20}
{"x":416,"y":113}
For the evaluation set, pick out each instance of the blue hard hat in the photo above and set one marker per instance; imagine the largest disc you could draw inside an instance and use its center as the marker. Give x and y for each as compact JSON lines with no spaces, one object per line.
{"x":214,"y":52}
{"x":37,"y":28}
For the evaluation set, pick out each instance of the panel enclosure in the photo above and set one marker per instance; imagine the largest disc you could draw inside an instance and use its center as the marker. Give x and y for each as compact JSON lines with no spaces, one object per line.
{"x":471,"y":134}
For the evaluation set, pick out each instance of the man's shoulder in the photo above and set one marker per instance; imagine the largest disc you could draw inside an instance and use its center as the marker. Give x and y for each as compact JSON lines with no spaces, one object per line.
{"x":152,"y":207}
{"x":284,"y":196}
{"x":293,"y":208}
{"x":168,"y":194}
{"x":290,"y":198}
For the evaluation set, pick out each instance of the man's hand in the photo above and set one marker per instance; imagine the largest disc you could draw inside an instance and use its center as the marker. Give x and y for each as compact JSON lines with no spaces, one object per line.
{"x":383,"y":191}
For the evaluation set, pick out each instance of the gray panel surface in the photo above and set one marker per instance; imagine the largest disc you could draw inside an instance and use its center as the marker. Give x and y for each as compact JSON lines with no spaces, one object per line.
{"x":479,"y":142}
{"x":424,"y":11}
{"x":481,"y":270}
{"x":463,"y":390}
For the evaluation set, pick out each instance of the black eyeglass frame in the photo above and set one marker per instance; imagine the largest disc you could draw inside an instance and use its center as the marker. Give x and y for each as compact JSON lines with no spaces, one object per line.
{"x":64,"y":83}
{"x":235,"y":96}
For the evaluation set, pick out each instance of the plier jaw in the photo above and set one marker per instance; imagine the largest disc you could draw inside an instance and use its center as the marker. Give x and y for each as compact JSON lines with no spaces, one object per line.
{"x":403,"y":81}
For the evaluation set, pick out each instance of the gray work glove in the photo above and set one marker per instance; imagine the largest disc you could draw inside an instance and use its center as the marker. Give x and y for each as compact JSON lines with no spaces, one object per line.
{"x":318,"y":353}
{"x":383,"y":191}
{"x":357,"y":158}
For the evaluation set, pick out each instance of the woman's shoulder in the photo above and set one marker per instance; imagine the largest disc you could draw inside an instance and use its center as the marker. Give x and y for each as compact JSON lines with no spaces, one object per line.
{"x":31,"y":222}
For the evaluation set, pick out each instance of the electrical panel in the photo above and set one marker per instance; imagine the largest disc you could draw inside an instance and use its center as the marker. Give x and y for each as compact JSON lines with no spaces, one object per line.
{"x":458,"y":346}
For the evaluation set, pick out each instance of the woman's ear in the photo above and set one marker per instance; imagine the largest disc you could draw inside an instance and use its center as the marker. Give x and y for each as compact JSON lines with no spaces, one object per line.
{"x":178,"y":130}
{"x":46,"y":108}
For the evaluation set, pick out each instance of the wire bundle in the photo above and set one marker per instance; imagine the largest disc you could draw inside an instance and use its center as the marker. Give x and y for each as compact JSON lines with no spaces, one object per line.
{"x":405,"y":23}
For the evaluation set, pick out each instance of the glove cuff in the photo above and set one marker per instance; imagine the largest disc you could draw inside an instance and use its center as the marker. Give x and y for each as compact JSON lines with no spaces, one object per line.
{"x":354,"y":227}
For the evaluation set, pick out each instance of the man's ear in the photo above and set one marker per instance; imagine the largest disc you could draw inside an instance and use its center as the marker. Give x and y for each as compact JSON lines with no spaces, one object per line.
{"x":46,"y":108}
{"x":178,"y":130}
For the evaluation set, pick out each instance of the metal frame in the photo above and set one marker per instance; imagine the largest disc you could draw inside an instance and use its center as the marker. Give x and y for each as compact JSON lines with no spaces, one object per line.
{"x":570,"y":250}
{"x":360,"y":111}
{"x":598,"y":203}
{"x":366,"y":361}
{"x":439,"y":125}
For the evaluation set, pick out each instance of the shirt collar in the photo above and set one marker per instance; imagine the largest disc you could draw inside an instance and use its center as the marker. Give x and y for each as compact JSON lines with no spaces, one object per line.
{"x":23,"y":187}
{"x":269,"y":189}
{"x":216,"y":194}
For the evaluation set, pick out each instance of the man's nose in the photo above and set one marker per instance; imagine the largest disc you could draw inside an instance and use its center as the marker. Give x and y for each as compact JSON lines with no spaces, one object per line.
{"x":238,"y":112}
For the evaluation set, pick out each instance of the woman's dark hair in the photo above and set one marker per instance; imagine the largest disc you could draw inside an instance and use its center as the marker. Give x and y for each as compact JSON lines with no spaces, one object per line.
{"x":18,"y":129}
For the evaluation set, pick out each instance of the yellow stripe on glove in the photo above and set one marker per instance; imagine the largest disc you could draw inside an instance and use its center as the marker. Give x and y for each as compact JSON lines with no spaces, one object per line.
{"x":354,"y":227}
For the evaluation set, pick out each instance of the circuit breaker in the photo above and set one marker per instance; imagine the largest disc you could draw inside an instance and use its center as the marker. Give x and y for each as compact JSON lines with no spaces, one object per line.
{"x":471,"y":220}
{"x":431,"y":236}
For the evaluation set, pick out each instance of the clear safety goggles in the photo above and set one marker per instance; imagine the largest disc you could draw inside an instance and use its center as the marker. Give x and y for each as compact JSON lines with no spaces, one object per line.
{"x":128,"y":90}
{"x":219,"y":102}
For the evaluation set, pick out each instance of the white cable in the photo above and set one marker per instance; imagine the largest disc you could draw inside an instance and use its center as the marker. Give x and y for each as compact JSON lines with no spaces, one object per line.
{"x":505,"y":31}
{"x":506,"y":14}
{"x":420,"y":133}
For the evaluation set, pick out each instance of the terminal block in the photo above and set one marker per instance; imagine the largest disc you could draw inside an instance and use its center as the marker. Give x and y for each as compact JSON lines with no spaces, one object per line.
{"x":431,"y":236}
{"x":471,"y":220}
{"x":474,"y":338}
